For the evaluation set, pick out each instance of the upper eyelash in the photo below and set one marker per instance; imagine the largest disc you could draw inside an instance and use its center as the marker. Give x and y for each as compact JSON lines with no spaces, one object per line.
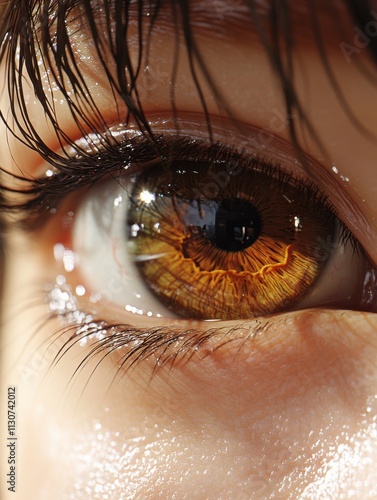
{"x":84,"y":169}
{"x":71,"y":174}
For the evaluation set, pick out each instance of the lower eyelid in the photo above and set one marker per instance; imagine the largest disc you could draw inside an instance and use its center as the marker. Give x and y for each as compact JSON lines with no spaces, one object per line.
{"x":228,"y":348}
{"x":298,"y":358}
{"x":309,"y":342}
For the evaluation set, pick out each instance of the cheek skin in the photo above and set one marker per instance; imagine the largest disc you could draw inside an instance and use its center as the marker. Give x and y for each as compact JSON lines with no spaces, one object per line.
{"x":295,"y":407}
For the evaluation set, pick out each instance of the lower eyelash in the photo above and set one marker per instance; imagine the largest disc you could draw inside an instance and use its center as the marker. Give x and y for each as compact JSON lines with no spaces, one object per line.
{"x":165,"y":346}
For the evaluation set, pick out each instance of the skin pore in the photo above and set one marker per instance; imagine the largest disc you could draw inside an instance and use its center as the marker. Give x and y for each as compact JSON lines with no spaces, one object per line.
{"x":282,"y":406}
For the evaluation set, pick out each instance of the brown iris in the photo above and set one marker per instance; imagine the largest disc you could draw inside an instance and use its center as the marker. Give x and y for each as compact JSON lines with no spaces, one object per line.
{"x":212,"y":242}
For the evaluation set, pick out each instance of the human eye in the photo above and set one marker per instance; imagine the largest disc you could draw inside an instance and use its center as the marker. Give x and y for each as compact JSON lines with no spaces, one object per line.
{"x":205,"y":231}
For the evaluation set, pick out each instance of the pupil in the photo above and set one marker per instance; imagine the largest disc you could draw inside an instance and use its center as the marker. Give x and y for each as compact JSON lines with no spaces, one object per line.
{"x":232,"y":225}
{"x":237,"y":225}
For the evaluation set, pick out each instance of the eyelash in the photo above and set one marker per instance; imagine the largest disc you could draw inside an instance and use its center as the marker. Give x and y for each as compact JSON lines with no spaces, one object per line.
{"x":76,"y":169}
{"x":71,"y":173}
{"x":165,"y":346}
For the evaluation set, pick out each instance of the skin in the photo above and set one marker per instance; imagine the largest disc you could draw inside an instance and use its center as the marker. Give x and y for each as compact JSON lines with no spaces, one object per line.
{"x":288,"y":413}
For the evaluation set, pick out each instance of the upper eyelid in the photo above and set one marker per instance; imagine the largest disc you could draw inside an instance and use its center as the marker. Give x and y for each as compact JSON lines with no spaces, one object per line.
{"x":66,"y":57}
{"x":221,"y":17}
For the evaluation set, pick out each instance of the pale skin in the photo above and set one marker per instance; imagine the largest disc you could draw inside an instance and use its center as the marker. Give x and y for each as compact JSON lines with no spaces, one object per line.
{"x":288,"y":414}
